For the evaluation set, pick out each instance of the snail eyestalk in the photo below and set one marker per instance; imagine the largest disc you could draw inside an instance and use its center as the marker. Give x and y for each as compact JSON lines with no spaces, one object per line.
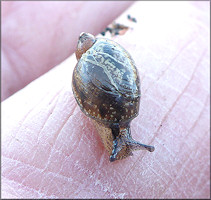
{"x":124,"y":144}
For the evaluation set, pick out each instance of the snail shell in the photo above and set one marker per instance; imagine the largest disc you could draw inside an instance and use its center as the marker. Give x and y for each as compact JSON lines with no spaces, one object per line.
{"x":106,"y":87}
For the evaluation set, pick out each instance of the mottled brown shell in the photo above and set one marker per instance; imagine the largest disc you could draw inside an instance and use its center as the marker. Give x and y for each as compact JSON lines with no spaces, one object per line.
{"x":107,"y":83}
{"x":106,"y":87}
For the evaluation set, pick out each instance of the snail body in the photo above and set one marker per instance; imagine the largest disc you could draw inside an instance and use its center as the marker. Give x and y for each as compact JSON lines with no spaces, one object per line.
{"x":106,"y":86}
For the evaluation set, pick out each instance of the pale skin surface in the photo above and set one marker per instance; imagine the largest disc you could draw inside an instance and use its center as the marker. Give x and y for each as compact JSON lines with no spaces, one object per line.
{"x":39,"y":35}
{"x":50,"y":149}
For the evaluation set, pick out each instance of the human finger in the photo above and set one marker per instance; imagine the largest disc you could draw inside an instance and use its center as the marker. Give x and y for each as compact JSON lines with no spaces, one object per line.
{"x":36,"y":36}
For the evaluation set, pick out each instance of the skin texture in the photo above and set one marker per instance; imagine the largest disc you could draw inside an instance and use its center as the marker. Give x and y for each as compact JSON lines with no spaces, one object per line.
{"x":39,"y":35}
{"x":50,"y":149}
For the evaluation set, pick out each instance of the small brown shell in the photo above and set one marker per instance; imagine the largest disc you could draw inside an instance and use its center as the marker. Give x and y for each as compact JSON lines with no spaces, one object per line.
{"x":106,"y":87}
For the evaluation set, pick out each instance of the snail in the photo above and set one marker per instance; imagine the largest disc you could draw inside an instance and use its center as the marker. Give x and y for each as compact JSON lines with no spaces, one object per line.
{"x":106,"y":87}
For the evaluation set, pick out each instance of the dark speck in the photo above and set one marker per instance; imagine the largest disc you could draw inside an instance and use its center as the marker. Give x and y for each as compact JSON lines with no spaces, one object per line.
{"x":103,"y":33}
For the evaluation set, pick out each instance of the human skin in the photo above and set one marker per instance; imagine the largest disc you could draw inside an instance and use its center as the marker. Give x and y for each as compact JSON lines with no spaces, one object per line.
{"x":39,"y":35}
{"x":50,"y":149}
